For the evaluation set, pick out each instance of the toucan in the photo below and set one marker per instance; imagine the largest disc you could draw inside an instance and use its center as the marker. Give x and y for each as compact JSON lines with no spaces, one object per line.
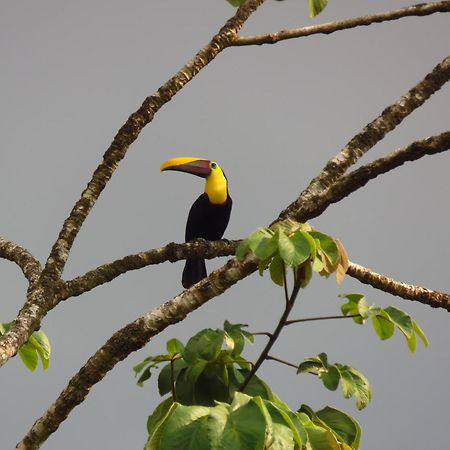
{"x":210,"y":213}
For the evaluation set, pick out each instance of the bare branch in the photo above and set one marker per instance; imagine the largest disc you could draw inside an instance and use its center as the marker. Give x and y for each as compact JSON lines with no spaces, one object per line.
{"x":423,"y":9}
{"x":29,"y":265}
{"x":423,"y":295}
{"x":392,"y":116}
{"x":171,"y":252}
{"x":361,"y":176}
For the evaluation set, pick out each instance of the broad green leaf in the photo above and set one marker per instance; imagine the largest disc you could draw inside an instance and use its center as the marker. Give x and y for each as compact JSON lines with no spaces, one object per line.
{"x":401,"y":320}
{"x":266,"y":248}
{"x":277,"y":270}
{"x":360,"y":385}
{"x":309,"y":367}
{"x":242,"y":249}
{"x":315,"y":6}
{"x":412,"y":342}
{"x":330,"y":377}
{"x":280,"y":436}
{"x":342,"y":424}
{"x":157,"y":421}
{"x":328,"y":246}
{"x":174,"y":347}
{"x":383,"y":326}
{"x":29,"y":356}
{"x":245,"y":428}
{"x":321,"y":439}
{"x":194,"y":370}
{"x":185,"y":429}
{"x":206,"y":345}
{"x":294,"y":250}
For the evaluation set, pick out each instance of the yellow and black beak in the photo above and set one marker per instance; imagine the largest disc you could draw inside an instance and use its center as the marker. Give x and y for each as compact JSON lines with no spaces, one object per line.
{"x":195,"y":166}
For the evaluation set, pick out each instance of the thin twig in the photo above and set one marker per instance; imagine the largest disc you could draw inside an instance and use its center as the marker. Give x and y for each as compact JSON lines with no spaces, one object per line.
{"x":423,"y":9}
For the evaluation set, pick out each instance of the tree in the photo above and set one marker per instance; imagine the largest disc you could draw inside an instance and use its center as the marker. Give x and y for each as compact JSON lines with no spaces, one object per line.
{"x":40,"y":293}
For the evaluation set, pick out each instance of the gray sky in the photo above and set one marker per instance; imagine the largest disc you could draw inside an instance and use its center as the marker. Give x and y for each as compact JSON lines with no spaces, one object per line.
{"x":71,"y":74}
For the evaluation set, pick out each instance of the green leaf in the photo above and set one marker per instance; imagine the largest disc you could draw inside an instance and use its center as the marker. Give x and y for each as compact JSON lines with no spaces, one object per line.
{"x":29,"y":356}
{"x":174,"y":347}
{"x":315,"y":6}
{"x":330,"y":377}
{"x":420,"y":333}
{"x":355,"y":384}
{"x":328,"y":246}
{"x":206,"y":345}
{"x":242,"y":249}
{"x":401,"y":320}
{"x":157,"y":421}
{"x":277,"y":270}
{"x":321,"y":439}
{"x":294,"y":250}
{"x":342,"y":424}
{"x":383,"y":326}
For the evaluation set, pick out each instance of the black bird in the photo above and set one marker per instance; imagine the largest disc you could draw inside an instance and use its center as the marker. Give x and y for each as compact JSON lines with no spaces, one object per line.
{"x":210,"y":213}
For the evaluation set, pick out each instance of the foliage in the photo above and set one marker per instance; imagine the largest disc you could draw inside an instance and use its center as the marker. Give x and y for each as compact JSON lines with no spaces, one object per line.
{"x":207,"y":410}
{"x":38,"y":346}
{"x":384,"y":320}
{"x":353,"y":382}
{"x":297,"y":245}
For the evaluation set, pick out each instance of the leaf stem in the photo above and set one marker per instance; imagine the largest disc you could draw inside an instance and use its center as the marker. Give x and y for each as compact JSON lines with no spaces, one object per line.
{"x":287,"y":363}
{"x":310,"y":319}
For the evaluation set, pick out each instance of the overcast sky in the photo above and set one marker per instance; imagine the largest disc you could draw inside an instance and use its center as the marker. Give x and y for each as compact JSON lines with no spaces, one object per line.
{"x":72,"y":72}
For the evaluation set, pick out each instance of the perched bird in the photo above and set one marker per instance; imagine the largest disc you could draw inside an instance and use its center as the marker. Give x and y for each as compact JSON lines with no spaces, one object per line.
{"x":210,"y":213}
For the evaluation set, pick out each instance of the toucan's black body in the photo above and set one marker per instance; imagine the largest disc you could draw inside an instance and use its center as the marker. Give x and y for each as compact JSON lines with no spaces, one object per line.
{"x":207,"y":221}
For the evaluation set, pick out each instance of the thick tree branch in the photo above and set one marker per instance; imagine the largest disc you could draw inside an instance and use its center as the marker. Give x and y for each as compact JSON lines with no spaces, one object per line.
{"x":42,"y":298}
{"x":361,"y":176}
{"x":392,"y":116}
{"x":420,"y":294}
{"x":29,"y":265}
{"x":423,"y":9}
{"x":171,"y":252}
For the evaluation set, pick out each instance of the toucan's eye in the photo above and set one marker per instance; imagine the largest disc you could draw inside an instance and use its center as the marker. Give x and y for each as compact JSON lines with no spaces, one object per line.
{"x":213,"y":165}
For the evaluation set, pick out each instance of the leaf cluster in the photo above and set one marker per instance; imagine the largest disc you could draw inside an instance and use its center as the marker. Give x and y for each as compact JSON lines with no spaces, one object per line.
{"x":384,"y":320}
{"x":353,"y":382}
{"x":249,"y":423}
{"x":37,"y":346}
{"x":298,"y":246}
{"x":209,"y":368}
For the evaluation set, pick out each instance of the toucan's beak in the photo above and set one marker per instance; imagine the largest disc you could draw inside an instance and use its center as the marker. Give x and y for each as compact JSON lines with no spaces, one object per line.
{"x":195,"y":166}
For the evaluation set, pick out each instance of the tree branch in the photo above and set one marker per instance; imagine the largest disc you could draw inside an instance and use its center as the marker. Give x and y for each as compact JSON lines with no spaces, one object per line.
{"x":388,"y":120}
{"x":423,"y":295}
{"x":29,"y":265}
{"x":423,"y":9}
{"x":171,"y":252}
{"x":361,"y":176}
{"x":41,"y":298}
{"x":129,"y":132}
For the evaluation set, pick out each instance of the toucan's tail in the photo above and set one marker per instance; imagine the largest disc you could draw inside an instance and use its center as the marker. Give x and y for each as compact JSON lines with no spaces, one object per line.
{"x":194,"y":271}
